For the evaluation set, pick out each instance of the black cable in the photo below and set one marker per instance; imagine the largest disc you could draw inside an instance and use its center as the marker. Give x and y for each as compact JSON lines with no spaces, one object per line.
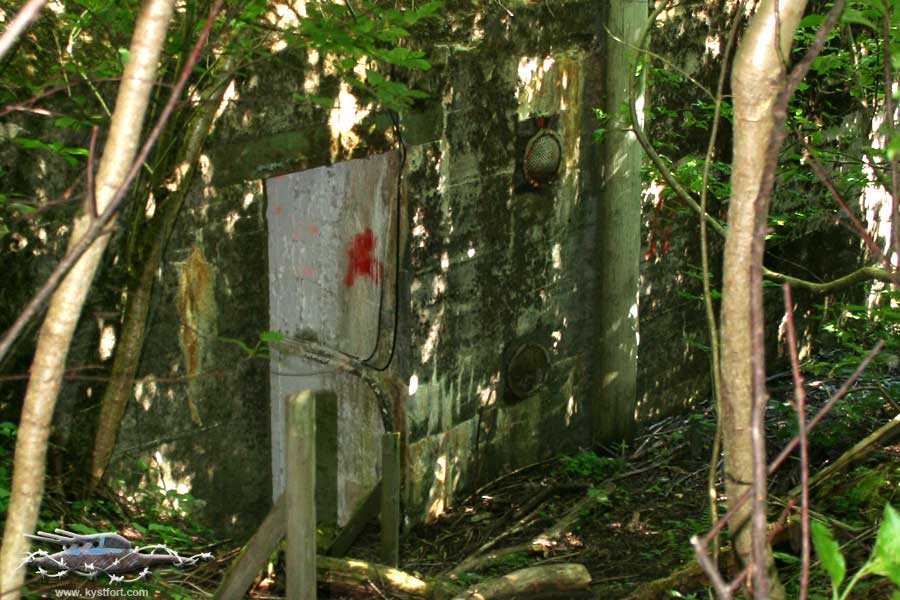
{"x":395,"y":119}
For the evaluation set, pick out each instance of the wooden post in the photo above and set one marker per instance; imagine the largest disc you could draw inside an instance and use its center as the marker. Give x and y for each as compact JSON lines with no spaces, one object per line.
{"x":390,"y":499}
{"x":300,"y":494}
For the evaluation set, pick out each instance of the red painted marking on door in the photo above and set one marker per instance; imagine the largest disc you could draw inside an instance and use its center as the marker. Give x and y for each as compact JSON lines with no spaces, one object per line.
{"x":361,"y":261}
{"x":313,"y":230}
{"x":278,"y":209}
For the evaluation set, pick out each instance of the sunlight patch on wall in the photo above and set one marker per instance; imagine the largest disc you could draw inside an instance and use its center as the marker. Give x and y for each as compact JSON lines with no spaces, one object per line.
{"x":439,"y":286}
{"x":167,"y":480}
{"x":311,"y":80}
{"x":571,"y":410}
{"x":440,"y":477}
{"x":487,"y":395}
{"x":431,"y":342}
{"x":345,"y":114}
{"x":531,"y":75}
{"x":419,"y":233}
{"x":107,"y":341}
{"x":714,"y":45}
{"x":557,"y":338}
{"x":150,"y":207}
{"x":230,"y":95}
{"x":206,"y":171}
{"x":145,"y":392}
{"x":230,"y":220}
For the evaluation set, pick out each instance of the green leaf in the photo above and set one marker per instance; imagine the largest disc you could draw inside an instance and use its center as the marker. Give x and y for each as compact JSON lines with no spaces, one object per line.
{"x":428,"y":9}
{"x":26,"y":209}
{"x":271,"y":336}
{"x":829,"y":553}
{"x":786,"y":558}
{"x":886,"y":555}
{"x":855,"y":17}
{"x":417,"y":63}
{"x":811,"y":21}
{"x":373,"y":77}
{"x":391,"y":34}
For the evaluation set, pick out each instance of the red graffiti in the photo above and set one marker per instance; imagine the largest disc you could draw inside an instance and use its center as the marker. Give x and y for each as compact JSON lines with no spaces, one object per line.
{"x":361,"y":262}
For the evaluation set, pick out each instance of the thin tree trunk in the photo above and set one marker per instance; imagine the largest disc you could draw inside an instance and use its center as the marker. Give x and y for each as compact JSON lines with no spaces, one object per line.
{"x":757,"y":77}
{"x":131,"y":340}
{"x":65,"y":306}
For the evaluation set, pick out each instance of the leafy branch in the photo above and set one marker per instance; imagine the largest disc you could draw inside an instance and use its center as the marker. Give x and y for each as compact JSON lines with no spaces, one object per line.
{"x":867,"y":273}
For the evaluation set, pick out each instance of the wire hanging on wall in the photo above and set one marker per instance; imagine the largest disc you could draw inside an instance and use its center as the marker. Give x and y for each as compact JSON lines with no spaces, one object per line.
{"x":367,"y":361}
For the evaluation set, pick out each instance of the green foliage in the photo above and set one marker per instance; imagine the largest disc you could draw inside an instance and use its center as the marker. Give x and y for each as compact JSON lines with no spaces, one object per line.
{"x":829,"y":553}
{"x":57,"y":148}
{"x":370,"y":34}
{"x":261,"y":348}
{"x":884,"y":560}
{"x":856,"y":328}
{"x":588,"y":465}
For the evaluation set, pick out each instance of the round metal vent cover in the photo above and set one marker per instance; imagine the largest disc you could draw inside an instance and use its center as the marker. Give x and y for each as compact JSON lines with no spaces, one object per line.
{"x":543,"y":157}
{"x":527,"y":369}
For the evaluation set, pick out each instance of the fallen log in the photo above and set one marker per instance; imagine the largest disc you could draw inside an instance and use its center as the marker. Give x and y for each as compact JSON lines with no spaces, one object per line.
{"x":545,"y":581}
{"x":349,"y":576}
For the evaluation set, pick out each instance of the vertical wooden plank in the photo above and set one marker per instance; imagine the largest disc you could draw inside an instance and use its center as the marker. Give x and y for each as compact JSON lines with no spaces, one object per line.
{"x":300,"y":494}
{"x":390,"y":499}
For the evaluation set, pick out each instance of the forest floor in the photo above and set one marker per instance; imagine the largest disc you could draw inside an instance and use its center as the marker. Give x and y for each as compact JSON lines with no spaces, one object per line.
{"x":626,"y":514}
{"x":636,"y":508}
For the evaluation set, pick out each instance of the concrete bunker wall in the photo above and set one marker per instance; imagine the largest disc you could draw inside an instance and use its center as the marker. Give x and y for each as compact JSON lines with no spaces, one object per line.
{"x":494,"y":360}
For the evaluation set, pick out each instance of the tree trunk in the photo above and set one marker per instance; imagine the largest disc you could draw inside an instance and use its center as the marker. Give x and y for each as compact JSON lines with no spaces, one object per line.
{"x":619,"y":234}
{"x":65,"y":306}
{"x":757,"y":77}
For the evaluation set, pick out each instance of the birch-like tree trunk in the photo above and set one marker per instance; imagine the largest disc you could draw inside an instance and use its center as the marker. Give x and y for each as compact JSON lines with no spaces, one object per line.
{"x":65,"y":306}
{"x":757,"y":77}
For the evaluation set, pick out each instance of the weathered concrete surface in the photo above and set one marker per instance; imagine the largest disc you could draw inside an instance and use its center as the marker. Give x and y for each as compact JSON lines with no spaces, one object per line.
{"x":199,"y":417}
{"x":492,"y":268}
{"x":331,"y":251}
